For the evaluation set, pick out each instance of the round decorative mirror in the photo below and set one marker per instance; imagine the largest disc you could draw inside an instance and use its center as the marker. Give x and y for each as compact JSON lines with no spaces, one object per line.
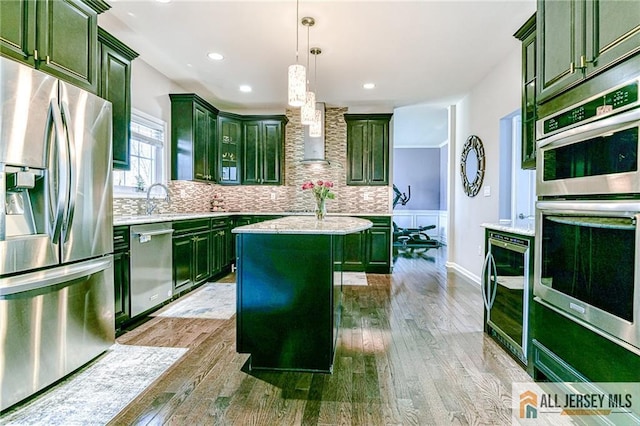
{"x":472,"y":165}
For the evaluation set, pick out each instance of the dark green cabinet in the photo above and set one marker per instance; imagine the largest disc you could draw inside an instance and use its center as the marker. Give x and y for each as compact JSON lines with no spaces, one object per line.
{"x":369,"y":250}
{"x":59,"y":37}
{"x":193,"y":138}
{"x":229,"y":148}
{"x":191,"y":254}
{"x":121,"y":271}
{"x":263,"y":150}
{"x":115,"y":86}
{"x":18,"y":30}
{"x":563,"y":350}
{"x":367,"y":149}
{"x":219,"y":246}
{"x":527,"y":35}
{"x":578,"y":38}
{"x":354,"y":257}
{"x":379,"y":247}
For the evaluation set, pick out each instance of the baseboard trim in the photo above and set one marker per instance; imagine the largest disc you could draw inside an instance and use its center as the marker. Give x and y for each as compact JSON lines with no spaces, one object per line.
{"x":470,"y":276}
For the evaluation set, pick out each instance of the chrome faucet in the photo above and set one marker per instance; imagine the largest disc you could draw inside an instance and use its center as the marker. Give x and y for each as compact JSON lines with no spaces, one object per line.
{"x":151,"y":206}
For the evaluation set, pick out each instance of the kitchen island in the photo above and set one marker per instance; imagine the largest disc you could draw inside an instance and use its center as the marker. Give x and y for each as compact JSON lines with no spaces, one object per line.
{"x":289,"y":288}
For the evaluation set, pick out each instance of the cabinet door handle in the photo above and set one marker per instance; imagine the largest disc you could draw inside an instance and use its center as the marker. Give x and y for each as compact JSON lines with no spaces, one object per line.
{"x":35,"y":54}
{"x":572,"y":68}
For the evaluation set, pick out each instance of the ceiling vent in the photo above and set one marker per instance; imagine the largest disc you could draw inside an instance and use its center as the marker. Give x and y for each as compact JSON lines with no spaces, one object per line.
{"x":314,"y":147}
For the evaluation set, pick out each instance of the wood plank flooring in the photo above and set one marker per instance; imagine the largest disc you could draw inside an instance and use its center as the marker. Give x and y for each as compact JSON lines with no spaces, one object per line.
{"x":411,"y":351}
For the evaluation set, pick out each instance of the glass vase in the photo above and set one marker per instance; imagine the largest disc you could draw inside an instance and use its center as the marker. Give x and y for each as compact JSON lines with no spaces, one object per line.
{"x":321,"y":209}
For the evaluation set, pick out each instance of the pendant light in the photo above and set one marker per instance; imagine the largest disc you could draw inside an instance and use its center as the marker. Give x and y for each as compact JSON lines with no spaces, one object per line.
{"x":297,"y":76}
{"x":315,"y":129}
{"x":308,"y":110}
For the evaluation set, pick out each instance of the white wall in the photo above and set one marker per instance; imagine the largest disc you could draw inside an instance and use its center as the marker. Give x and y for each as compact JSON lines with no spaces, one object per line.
{"x":479,"y":113}
{"x":150,"y":91}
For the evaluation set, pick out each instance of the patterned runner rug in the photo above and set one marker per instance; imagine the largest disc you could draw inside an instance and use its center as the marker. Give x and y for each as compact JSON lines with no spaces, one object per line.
{"x":354,"y":278}
{"x":97,"y":393}
{"x":212,"y":301}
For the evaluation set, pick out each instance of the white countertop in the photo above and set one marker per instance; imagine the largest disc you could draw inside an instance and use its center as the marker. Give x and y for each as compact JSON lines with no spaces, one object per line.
{"x":169,"y":217}
{"x":507,"y":227}
{"x":331,"y":225}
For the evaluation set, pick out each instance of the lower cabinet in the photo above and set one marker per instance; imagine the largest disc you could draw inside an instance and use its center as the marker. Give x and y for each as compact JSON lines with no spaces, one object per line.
{"x":370,"y":250}
{"x":563,"y":350}
{"x":121,"y":280}
{"x":191,"y":254}
{"x":219,"y":236}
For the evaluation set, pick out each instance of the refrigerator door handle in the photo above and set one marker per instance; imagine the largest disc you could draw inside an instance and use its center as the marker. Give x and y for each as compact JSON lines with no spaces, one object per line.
{"x":41,"y":280}
{"x":56,"y":180}
{"x":70,"y":161}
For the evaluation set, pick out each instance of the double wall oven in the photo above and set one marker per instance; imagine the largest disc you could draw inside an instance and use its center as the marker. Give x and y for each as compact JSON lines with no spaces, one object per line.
{"x":587,"y":239}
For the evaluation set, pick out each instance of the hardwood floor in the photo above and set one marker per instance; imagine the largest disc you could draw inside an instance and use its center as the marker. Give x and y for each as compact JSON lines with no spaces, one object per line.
{"x":411,"y":351}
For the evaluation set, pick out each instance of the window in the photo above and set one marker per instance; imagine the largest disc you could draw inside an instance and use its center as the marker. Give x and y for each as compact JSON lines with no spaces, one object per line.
{"x":146,"y":156}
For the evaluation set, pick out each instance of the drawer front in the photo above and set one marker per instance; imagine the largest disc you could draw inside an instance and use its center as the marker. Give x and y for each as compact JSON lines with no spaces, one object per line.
{"x":192,"y":225}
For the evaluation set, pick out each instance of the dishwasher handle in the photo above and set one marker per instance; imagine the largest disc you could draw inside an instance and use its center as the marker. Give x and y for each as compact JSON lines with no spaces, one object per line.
{"x":153,"y":233}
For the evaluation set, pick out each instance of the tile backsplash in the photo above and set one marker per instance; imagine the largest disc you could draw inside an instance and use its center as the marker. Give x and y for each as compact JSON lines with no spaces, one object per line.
{"x":187,"y":196}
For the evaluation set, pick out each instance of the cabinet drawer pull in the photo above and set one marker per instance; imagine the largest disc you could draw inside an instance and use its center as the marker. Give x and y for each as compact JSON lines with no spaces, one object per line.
{"x":118,"y":238}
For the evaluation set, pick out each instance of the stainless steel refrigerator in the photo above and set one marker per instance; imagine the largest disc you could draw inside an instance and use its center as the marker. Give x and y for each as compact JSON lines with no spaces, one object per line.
{"x":56,"y":265}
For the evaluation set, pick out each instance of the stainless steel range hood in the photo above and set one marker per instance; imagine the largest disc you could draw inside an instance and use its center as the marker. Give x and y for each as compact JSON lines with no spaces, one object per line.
{"x":314,"y":147}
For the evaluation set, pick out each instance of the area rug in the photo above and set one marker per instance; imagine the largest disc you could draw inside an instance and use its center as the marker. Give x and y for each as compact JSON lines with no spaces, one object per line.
{"x":211,"y":301}
{"x":96,"y":394}
{"x":354,"y":278}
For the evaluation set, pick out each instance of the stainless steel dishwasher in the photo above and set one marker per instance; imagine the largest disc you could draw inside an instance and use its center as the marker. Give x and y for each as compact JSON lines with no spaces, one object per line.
{"x":151,"y":266}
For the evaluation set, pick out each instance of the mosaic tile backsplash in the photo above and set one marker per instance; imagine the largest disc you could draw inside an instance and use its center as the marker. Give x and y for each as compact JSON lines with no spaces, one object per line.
{"x":188,"y":197}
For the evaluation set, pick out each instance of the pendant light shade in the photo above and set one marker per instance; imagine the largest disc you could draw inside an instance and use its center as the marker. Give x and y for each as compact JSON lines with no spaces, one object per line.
{"x":315,"y":129}
{"x":297,"y":85}
{"x":308,"y":110}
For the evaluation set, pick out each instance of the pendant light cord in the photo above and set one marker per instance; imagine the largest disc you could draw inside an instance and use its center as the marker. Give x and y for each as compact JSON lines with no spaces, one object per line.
{"x":308,"y":54}
{"x":297,"y":16}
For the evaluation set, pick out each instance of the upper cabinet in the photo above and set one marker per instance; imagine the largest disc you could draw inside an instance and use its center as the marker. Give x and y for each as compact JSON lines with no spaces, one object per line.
{"x":263,"y":150}
{"x":115,"y":86}
{"x":229,"y":148}
{"x":527,"y":35}
{"x":59,"y":37}
{"x":577,"y":38}
{"x":193,"y":138}
{"x":367,"y":149}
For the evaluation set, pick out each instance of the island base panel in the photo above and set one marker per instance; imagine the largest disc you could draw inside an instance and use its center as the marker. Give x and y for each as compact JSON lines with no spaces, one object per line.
{"x":287,"y":318}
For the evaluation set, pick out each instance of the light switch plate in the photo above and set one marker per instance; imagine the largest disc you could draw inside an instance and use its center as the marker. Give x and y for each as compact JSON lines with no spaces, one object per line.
{"x":487,"y":191}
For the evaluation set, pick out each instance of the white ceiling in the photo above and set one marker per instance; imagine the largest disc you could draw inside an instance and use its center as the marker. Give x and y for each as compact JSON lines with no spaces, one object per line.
{"x":416,"y":52}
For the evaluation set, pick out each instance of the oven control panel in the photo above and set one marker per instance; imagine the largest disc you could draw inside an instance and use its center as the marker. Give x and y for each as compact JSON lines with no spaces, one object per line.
{"x":598,"y":106}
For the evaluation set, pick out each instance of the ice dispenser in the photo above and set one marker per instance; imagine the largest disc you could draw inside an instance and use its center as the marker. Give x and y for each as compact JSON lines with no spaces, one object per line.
{"x":23,"y":219}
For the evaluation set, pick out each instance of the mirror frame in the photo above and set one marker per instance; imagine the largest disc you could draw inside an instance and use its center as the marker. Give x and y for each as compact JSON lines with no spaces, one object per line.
{"x":473,"y":143}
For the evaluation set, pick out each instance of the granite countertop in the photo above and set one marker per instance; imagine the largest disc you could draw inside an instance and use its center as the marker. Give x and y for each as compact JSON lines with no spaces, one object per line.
{"x":331,"y":225}
{"x":169,"y":217}
{"x":508,"y":227}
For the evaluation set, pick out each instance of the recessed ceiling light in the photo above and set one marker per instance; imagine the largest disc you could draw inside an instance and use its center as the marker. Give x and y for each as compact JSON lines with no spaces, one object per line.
{"x":133,"y":15}
{"x":245,"y":88}
{"x":215,"y":56}
{"x":163,"y":1}
{"x":190,"y":66}
{"x":369,"y":85}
